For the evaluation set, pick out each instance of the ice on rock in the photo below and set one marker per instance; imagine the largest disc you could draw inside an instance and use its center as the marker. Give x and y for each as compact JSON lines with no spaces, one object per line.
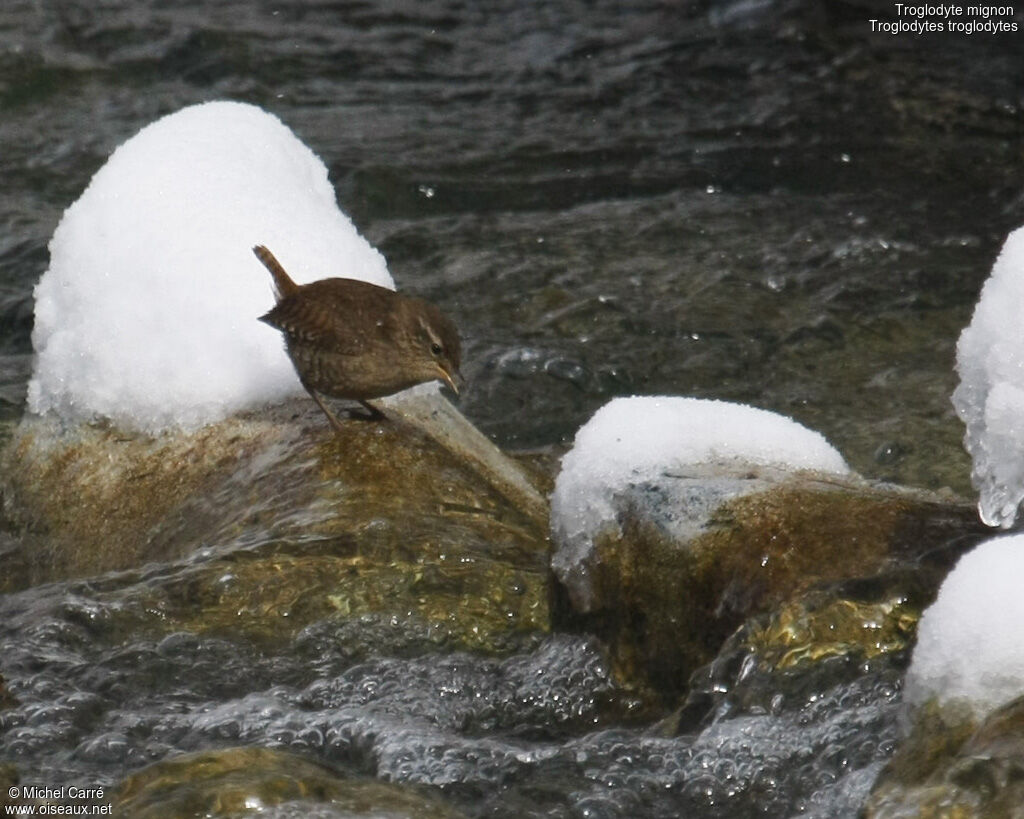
{"x":148,"y":312}
{"x":990,"y":397}
{"x":969,"y":648}
{"x":644,"y":441}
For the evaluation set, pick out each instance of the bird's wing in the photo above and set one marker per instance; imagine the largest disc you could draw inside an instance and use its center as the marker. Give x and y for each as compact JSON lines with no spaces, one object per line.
{"x":333,"y":319}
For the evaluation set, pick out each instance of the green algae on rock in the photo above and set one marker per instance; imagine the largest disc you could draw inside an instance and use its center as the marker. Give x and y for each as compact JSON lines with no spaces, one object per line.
{"x":804,"y":632}
{"x":674,"y":582}
{"x":836,"y":635}
{"x":268,"y":596}
{"x":249,"y":781}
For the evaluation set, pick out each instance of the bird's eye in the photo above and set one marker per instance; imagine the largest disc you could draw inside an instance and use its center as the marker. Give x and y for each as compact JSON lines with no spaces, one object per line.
{"x":436,"y":348}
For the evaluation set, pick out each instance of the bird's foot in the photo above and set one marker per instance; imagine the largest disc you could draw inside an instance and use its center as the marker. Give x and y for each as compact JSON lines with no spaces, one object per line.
{"x":371,"y":414}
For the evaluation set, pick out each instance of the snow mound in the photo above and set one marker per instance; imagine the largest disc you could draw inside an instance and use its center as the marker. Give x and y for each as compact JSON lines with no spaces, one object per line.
{"x":969,"y":648}
{"x":147,"y":315}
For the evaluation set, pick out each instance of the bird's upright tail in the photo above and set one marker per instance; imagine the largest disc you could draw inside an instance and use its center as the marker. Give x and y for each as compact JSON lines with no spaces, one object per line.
{"x":283,"y":284}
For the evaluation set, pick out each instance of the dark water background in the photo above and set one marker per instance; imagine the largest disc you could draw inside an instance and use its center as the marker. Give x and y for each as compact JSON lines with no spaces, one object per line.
{"x":758,"y":201}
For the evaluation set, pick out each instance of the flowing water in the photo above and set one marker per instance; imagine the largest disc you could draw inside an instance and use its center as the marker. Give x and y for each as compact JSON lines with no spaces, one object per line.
{"x":756,"y":201}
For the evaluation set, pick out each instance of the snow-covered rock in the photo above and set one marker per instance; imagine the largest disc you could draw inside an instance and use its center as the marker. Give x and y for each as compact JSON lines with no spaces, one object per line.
{"x":641,"y":449}
{"x":990,"y":397}
{"x":969,"y":648}
{"x":147,"y":315}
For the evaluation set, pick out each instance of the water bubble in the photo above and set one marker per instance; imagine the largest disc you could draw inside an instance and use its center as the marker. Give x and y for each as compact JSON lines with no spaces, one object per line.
{"x":520,"y":362}
{"x":566,"y":369}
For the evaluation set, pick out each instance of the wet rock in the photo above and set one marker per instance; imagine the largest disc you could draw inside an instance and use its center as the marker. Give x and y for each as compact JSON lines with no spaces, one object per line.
{"x":255,"y":781}
{"x":847,"y":634}
{"x":949,"y":766}
{"x":694,"y":557}
{"x":100,"y":500}
{"x":276,"y":521}
{"x":270,"y":594}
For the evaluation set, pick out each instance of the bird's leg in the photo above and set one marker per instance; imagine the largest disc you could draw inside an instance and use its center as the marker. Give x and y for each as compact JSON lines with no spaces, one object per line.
{"x":330,"y":415}
{"x":374,"y":413}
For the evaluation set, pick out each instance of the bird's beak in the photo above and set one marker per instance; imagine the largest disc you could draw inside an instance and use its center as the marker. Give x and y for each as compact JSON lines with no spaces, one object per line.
{"x":453,"y":380}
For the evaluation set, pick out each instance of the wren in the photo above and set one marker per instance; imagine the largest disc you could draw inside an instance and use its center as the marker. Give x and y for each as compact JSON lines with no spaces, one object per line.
{"x":352,"y":339}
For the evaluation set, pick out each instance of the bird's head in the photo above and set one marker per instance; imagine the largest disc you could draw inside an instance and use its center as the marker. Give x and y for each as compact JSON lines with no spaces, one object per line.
{"x":436,"y":346}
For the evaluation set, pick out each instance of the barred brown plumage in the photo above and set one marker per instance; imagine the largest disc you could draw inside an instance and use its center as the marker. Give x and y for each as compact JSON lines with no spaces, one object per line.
{"x":351,"y":339}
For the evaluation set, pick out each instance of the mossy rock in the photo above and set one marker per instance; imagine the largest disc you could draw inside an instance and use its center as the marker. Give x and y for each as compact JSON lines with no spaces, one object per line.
{"x":664,"y":598}
{"x":92,"y":499}
{"x":247,"y":781}
{"x":950,"y":766}
{"x":266,"y":523}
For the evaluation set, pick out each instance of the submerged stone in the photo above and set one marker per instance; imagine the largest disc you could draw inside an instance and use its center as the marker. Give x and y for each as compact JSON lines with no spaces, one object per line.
{"x":270,"y":595}
{"x":251,"y":781}
{"x":838,"y":636}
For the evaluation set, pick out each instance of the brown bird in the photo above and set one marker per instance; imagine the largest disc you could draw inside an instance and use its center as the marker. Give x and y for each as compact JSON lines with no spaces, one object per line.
{"x":351,"y":339}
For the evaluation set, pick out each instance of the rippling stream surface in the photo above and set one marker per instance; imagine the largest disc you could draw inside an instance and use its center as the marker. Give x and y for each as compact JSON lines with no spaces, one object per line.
{"x":756,"y":201}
